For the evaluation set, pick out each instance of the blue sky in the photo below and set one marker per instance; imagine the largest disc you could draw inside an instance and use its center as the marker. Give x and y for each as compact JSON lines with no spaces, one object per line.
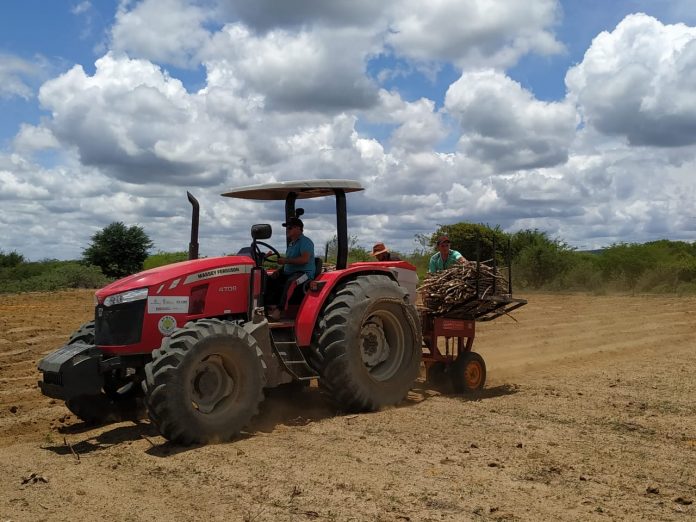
{"x":574,"y":117}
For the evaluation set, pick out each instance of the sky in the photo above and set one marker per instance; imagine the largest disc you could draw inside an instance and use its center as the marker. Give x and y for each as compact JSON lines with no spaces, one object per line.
{"x":573,"y":117}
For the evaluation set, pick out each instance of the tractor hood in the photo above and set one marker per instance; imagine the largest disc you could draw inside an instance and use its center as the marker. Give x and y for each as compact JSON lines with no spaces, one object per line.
{"x":194,"y":269}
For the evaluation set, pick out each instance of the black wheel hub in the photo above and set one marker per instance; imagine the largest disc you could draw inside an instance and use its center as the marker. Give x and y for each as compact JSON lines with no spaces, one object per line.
{"x":211,"y":384}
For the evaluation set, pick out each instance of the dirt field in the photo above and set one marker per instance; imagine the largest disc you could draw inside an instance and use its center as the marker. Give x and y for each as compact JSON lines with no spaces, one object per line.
{"x":589,"y":414}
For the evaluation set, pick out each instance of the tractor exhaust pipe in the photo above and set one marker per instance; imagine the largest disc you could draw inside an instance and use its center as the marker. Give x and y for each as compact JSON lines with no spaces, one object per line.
{"x":193,"y":245}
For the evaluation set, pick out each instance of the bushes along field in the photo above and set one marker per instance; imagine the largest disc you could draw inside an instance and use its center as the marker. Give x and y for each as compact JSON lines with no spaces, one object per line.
{"x":538,"y":261}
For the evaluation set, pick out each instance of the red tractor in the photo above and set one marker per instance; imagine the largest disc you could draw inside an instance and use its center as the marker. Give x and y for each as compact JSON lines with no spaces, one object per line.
{"x":191,"y":341}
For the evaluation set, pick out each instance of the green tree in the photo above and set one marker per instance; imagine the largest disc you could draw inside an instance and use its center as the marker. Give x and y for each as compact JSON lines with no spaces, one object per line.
{"x":118,"y":250}
{"x":473,"y":241}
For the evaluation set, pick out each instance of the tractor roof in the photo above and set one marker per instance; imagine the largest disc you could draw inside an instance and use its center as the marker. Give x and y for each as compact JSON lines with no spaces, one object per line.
{"x":304,"y":189}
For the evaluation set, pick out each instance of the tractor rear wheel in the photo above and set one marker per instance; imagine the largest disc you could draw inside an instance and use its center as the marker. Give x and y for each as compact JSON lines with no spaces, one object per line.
{"x":468,"y":373}
{"x":205,"y":382}
{"x":370,"y":342}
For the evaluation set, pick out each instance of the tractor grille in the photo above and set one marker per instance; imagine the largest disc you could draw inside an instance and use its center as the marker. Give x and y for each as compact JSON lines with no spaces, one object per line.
{"x":119,"y":324}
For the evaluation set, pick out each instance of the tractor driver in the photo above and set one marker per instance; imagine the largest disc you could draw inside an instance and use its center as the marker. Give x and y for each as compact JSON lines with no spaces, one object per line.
{"x":298,"y":263}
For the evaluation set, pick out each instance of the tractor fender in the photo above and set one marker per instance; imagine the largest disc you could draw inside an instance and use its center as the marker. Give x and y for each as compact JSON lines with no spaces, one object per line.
{"x":71,"y":371}
{"x":314,"y":300}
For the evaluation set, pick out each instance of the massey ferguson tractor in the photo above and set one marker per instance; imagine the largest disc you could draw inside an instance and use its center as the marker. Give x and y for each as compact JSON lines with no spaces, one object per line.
{"x":191,"y":340}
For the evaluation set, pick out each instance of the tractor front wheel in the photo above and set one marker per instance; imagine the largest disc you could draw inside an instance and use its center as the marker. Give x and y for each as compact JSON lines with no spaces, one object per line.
{"x":102,"y":409}
{"x":84,"y":334}
{"x":370,"y":342}
{"x":205,"y":382}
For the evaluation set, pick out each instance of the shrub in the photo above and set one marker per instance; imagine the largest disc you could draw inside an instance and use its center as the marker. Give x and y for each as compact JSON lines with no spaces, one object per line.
{"x":583,"y":273}
{"x":540,"y":264}
{"x":11,"y":259}
{"x":164,"y":258}
{"x":48,"y":276}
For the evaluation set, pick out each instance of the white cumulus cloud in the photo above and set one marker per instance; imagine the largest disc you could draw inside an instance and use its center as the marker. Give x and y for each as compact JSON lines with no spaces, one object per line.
{"x":474,"y":33}
{"x":168,"y":31}
{"x":504,"y":125}
{"x":639,"y":82}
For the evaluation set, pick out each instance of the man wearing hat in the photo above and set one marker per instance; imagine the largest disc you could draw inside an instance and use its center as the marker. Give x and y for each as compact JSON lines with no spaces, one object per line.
{"x":445,"y":257}
{"x":382,"y":253}
{"x":298,"y":263}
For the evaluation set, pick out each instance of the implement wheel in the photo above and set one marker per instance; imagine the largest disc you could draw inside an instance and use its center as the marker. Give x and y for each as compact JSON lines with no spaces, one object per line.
{"x":205,"y":382}
{"x":468,"y":373}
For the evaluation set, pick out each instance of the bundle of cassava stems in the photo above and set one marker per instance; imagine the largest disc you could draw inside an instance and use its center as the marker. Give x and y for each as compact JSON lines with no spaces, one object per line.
{"x":444,"y":291}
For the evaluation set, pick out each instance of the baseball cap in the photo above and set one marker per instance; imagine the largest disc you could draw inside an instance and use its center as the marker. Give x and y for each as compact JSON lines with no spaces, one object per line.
{"x":442,"y":239}
{"x":294,"y":222}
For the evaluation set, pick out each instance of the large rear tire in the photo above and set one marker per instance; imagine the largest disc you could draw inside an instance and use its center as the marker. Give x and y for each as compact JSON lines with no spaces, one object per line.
{"x":205,"y":382}
{"x":370,"y":342}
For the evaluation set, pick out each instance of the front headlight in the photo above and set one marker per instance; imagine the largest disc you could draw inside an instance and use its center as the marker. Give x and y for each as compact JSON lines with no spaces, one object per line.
{"x":126,"y":297}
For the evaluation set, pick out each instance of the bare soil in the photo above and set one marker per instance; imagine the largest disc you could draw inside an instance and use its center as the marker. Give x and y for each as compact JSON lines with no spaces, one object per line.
{"x":589,"y":413}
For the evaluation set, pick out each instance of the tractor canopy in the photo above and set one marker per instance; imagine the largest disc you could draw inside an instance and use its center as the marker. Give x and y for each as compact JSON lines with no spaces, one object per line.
{"x":290,"y":191}
{"x":311,"y":188}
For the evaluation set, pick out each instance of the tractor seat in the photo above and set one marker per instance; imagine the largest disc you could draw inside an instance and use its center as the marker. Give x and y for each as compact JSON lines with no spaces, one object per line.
{"x":294,"y":292}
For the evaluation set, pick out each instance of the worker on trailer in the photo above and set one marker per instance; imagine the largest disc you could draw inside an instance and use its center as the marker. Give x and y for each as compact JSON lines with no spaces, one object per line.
{"x":445,"y":257}
{"x":382,"y":253}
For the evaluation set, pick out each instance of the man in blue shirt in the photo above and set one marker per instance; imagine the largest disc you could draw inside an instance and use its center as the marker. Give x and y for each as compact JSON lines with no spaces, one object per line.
{"x":297,"y":264}
{"x":445,"y":258}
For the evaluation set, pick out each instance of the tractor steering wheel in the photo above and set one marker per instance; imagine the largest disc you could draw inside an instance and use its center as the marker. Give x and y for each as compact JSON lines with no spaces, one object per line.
{"x":260,"y":256}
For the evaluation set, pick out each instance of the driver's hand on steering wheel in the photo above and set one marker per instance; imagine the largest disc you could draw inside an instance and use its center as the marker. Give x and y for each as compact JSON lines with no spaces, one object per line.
{"x":279,"y":261}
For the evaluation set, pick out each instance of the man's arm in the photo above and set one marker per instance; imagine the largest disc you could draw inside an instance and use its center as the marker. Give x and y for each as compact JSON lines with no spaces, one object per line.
{"x":302,"y":259}
{"x":458,"y":257}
